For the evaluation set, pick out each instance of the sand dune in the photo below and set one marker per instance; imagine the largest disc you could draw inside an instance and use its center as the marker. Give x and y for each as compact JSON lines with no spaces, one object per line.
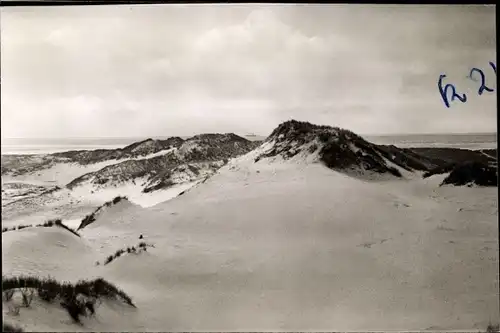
{"x":315,"y":229}
{"x":299,"y":247}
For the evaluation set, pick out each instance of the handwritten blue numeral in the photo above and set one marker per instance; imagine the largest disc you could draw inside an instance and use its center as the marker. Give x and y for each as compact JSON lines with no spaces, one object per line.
{"x":444,"y":92}
{"x":494,"y":67}
{"x":483,"y":84}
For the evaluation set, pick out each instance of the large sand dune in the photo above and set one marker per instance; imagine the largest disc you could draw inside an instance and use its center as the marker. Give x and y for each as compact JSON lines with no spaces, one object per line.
{"x":286,"y":246}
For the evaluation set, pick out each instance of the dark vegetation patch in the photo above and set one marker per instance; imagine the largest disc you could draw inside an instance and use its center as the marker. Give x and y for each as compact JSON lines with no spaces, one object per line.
{"x":336,"y":155}
{"x":217,"y":147}
{"x":193,"y":172}
{"x":493,"y":328}
{"x":209,"y":148}
{"x":136,"y":149}
{"x":90,"y":218}
{"x":58,"y":223}
{"x":457,"y":155}
{"x":21,"y":164}
{"x":87,"y":220}
{"x":48,"y":224}
{"x":115,"y":200}
{"x":52,"y":190}
{"x":440,"y":170}
{"x":6,"y":327}
{"x":407,"y":158}
{"x":313,"y":148}
{"x":18,"y":227}
{"x":335,"y":150}
{"x":469,"y":164}
{"x":164,"y":183}
{"x":141,"y":247}
{"x":78,"y":299}
{"x":490,"y":152}
{"x":472,"y":173}
{"x":193,"y":169}
{"x":128,"y":170}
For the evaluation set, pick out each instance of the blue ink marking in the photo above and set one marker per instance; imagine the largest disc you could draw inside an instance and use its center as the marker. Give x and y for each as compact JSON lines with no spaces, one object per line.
{"x":494,"y":67}
{"x":483,"y":84}
{"x":444,"y":92}
{"x":463,"y":98}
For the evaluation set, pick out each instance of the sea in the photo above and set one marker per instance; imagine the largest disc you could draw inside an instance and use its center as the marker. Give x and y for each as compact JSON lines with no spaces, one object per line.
{"x":18,"y":146}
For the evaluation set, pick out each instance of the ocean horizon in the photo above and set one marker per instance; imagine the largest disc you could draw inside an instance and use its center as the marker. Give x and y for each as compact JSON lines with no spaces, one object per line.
{"x":19,"y":146}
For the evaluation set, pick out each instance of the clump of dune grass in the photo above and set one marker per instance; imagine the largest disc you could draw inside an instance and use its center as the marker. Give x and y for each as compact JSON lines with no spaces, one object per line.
{"x":87,"y":220}
{"x":90,"y":218}
{"x":48,"y":224}
{"x":118,"y":199}
{"x":141,"y":247}
{"x":58,"y":223}
{"x":17,"y":227}
{"x":78,"y":299}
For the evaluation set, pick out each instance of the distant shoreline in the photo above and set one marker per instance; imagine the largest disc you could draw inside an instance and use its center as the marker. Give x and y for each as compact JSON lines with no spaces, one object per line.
{"x":25,"y":146}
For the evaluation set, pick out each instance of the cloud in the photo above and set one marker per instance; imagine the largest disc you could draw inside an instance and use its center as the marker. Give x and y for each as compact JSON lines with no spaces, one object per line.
{"x":119,"y":70}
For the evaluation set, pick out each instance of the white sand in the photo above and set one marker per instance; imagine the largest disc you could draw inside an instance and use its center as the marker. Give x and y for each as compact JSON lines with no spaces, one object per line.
{"x":283,"y":246}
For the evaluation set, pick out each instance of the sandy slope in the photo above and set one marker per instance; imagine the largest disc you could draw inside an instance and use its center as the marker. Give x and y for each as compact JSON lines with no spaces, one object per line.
{"x":23,"y":204}
{"x":62,"y":173}
{"x":44,"y":250}
{"x":24,"y":200}
{"x":285,"y":246}
{"x":72,"y":205}
{"x":58,"y":174}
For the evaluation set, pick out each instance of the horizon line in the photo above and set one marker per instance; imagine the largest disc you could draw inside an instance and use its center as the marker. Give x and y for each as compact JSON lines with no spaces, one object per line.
{"x":250,"y":134}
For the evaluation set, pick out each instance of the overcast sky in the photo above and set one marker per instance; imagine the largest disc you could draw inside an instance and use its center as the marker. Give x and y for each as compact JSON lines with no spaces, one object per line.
{"x":183,"y":69}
